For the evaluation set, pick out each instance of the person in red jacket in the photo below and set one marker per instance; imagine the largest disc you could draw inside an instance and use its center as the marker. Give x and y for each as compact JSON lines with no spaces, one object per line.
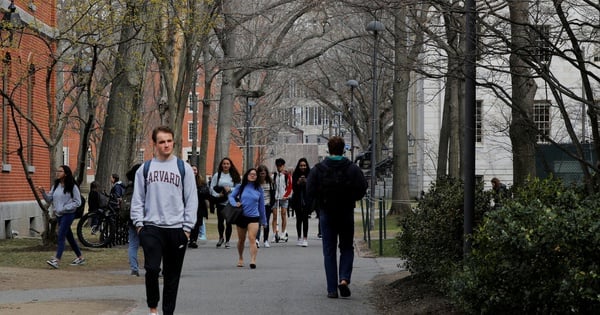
{"x":283,"y":193}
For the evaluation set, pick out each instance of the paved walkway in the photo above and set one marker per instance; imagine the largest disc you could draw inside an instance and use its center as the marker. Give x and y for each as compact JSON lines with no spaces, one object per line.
{"x":288,"y":280}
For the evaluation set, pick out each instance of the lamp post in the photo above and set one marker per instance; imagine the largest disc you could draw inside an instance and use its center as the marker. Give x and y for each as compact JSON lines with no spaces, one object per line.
{"x":249,"y":105}
{"x":194,"y":106}
{"x":374,"y":27}
{"x":248,"y":94}
{"x":352,"y":84}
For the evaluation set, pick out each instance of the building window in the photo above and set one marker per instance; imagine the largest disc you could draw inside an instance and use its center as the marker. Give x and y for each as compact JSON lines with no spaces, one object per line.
{"x":30,"y":89}
{"x":65,"y":156}
{"x":478,"y":119}
{"x":88,"y":162}
{"x":140,"y":155}
{"x":5,"y":107}
{"x":542,"y":47}
{"x":190,"y":130}
{"x":541,"y":119}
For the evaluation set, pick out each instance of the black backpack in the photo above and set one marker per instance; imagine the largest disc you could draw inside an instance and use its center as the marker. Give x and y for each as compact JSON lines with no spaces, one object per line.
{"x":125,"y":211}
{"x":334,"y":186}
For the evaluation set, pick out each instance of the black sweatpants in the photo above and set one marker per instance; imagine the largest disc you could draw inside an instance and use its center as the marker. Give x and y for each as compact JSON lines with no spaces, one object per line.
{"x":168,"y":245}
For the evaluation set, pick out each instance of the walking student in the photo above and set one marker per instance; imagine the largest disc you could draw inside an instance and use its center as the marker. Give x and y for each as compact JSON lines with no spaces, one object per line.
{"x":221,"y":184}
{"x":283,"y":192}
{"x":249,"y":195}
{"x":336,"y":184}
{"x":265,"y":181}
{"x":133,"y":239}
{"x":298,"y":203}
{"x":65,"y":198}
{"x":163,"y":210}
{"x":202,"y":212}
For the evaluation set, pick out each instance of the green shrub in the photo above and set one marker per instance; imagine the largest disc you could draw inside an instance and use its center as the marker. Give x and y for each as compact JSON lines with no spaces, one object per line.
{"x":432,"y":235}
{"x":537,"y":255}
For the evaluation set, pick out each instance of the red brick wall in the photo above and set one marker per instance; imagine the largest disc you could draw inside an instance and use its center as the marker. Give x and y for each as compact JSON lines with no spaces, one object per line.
{"x":31,"y":51}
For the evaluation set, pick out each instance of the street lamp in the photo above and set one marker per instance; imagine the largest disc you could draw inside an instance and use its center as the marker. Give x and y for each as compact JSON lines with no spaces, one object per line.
{"x":249,"y":105}
{"x":352,"y":84}
{"x":374,"y":27}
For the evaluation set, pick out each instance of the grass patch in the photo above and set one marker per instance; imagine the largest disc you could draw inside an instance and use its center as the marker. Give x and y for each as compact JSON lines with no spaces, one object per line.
{"x":391,"y":229}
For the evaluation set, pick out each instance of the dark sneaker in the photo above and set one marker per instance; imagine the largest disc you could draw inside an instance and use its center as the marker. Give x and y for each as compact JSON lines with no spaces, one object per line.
{"x":78,"y":261}
{"x":53,"y":263}
{"x":332,"y":295}
{"x":135,"y":273}
{"x":220,"y":242}
{"x":193,"y":245}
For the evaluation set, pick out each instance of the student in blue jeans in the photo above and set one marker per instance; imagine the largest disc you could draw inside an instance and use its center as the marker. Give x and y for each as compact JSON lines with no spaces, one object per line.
{"x":65,"y":198}
{"x":133,"y":238}
{"x":335,"y":204}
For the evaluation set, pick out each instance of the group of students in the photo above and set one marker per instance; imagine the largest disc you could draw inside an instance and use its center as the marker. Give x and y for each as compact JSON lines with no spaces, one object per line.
{"x":168,"y":207}
{"x":281,"y":191}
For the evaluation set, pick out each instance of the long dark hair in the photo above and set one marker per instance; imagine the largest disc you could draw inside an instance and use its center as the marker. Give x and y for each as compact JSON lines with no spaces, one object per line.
{"x":68,"y":180}
{"x":233,"y":172}
{"x":246,"y":182}
{"x":263,"y":168}
{"x":298,"y":172}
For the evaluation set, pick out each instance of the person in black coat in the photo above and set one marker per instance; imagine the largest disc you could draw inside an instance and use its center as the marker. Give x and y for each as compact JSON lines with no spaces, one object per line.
{"x":298,"y":202}
{"x":203,"y":195}
{"x":335,"y":204}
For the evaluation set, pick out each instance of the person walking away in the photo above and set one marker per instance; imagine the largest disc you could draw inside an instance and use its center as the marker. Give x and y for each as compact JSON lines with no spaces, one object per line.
{"x":221,"y":184}
{"x":202,"y":212}
{"x":116,"y":192}
{"x":283,"y":192}
{"x":65,"y":198}
{"x":163,"y":210}
{"x":336,"y":184}
{"x":298,"y":202}
{"x":249,"y":195}
{"x":133,"y":239}
{"x":266,"y":182}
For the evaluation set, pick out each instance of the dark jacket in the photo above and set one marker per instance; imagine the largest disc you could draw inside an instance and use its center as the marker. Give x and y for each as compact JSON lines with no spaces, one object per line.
{"x":299,"y":191}
{"x":203,"y":196}
{"x":355,"y":192}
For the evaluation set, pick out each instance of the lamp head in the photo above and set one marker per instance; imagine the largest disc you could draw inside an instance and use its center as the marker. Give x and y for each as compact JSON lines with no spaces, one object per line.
{"x":375,"y":27}
{"x":352,"y":83}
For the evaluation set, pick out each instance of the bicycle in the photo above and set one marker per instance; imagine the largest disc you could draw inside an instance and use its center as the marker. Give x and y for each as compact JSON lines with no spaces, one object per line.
{"x":98,"y":229}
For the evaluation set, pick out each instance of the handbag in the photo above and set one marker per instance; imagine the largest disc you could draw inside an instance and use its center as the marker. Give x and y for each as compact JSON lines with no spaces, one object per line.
{"x":232,"y":213}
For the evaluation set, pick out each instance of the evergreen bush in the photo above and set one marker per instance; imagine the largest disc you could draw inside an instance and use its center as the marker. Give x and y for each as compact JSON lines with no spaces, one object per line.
{"x":536,"y":255}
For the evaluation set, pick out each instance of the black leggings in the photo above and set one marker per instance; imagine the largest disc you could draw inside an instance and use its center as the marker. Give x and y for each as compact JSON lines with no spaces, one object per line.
{"x":222,"y":225}
{"x":302,"y":222}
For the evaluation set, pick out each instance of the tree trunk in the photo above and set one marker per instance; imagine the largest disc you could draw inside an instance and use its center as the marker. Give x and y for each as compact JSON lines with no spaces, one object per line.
{"x":125,"y":97}
{"x":522,"y":128}
{"x":227,"y":92}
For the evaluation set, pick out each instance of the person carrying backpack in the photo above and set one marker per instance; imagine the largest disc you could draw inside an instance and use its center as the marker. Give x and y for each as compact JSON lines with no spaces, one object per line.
{"x":125,"y":214}
{"x":333,"y":186}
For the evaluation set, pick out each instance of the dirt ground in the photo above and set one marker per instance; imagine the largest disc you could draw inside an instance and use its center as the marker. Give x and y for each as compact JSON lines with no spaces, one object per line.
{"x":395,"y":293}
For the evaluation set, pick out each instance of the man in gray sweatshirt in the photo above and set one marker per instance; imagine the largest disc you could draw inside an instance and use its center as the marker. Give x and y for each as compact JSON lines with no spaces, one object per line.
{"x":163,"y":210}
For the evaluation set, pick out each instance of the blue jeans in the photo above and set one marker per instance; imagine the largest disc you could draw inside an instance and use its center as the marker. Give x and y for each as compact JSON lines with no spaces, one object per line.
{"x":334,"y":226}
{"x":134,"y":245}
{"x":64,"y":232}
{"x":202,"y":228}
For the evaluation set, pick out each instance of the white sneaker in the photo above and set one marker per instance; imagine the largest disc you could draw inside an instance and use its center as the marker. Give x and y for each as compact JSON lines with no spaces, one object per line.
{"x":299,"y":243}
{"x":304,"y":243}
{"x":267,"y":244}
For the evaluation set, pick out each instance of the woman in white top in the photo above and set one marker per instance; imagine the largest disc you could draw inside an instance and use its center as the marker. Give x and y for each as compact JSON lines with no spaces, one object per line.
{"x":221,"y":184}
{"x":65,"y":198}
